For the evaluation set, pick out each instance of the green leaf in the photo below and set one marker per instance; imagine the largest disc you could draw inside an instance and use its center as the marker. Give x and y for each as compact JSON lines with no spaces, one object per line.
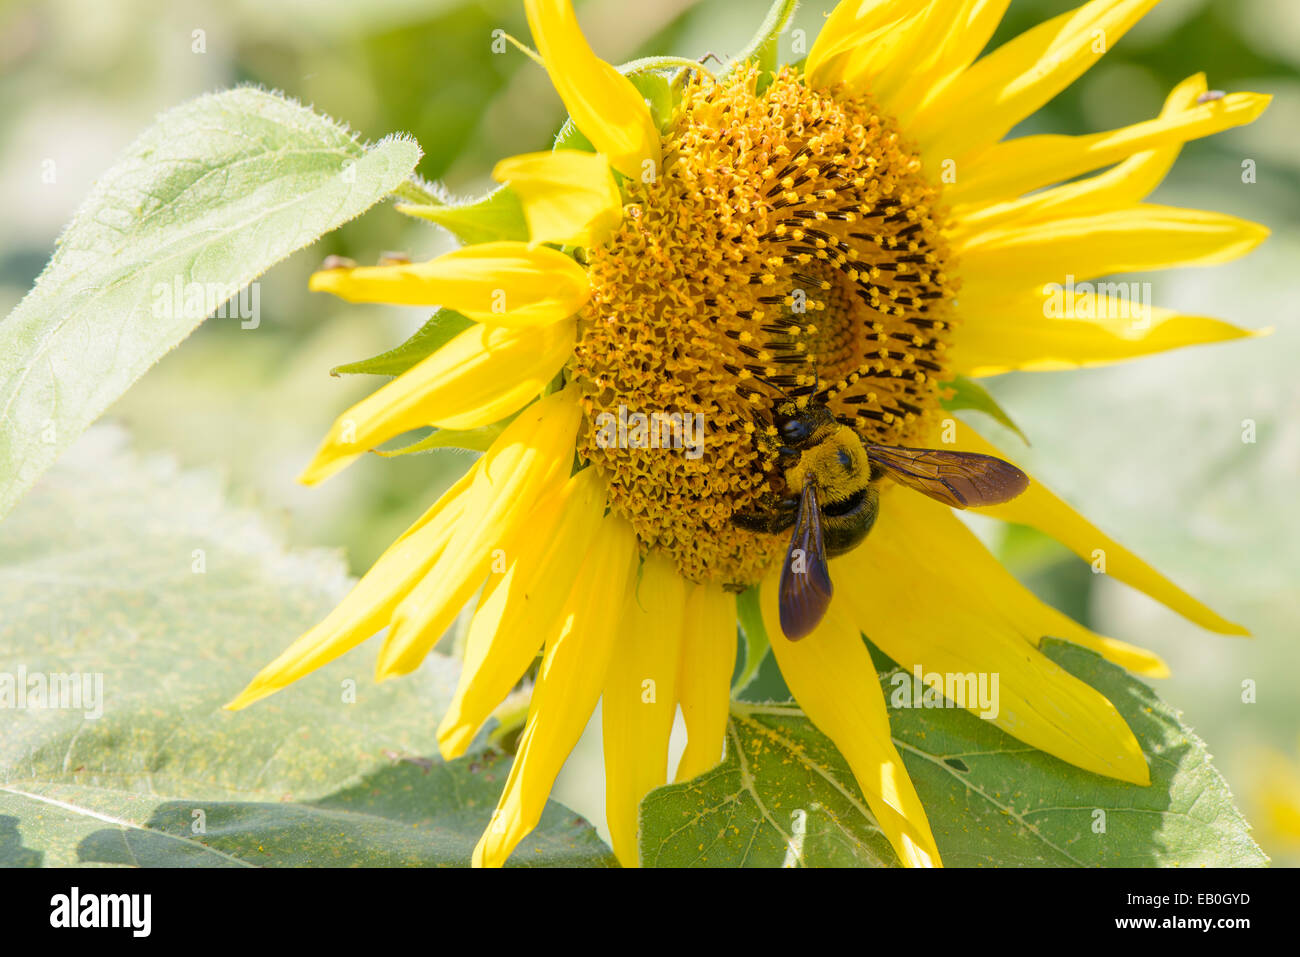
{"x":763,"y":47}
{"x":495,"y":217}
{"x":124,"y":568}
{"x":419,"y":193}
{"x":782,"y":797}
{"x":415,"y":812}
{"x":754,"y":635}
{"x":470,"y":440}
{"x":212,"y":195}
{"x":991,"y":800}
{"x":969,"y":394}
{"x":443,"y":326}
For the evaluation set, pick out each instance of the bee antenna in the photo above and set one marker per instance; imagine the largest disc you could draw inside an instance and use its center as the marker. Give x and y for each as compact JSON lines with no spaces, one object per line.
{"x":817,"y":391}
{"x":768,"y":382}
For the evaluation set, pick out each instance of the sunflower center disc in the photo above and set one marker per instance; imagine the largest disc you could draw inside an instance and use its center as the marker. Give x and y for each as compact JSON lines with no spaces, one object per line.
{"x":791,"y":244}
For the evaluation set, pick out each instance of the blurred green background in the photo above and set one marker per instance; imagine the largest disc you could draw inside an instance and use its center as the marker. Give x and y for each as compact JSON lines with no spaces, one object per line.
{"x":1152,"y":451}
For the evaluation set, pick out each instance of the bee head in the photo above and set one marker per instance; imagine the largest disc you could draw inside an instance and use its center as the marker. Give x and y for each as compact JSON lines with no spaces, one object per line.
{"x":800,"y":427}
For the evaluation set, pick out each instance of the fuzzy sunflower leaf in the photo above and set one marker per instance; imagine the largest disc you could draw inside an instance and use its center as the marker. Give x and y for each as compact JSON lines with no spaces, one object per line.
{"x":495,"y":217}
{"x":211,"y":196}
{"x":443,"y":326}
{"x":784,"y":796}
{"x":122,"y":568}
{"x":414,"y":812}
{"x":419,"y":193}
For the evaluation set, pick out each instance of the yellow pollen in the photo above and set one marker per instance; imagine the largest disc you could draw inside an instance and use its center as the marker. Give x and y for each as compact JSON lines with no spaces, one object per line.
{"x":700,"y":319}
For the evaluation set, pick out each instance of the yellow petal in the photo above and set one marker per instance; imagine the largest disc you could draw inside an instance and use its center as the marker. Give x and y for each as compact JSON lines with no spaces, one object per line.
{"x":862,"y":38}
{"x":1123,"y":185}
{"x":704,"y":678}
{"x":954,"y":38}
{"x":480,"y":377}
{"x":1027,"y":163}
{"x":1012,"y":333}
{"x":640,"y":698}
{"x":569,"y":197}
{"x":530,"y":461}
{"x":981,"y":574}
{"x":1013,"y":81}
{"x":603,"y":103}
{"x":1133,"y":239}
{"x":848,"y":24}
{"x":569,"y":683}
{"x":1039,"y":508}
{"x":370,"y":604}
{"x":505,"y":283}
{"x":519,"y":608}
{"x":1275,"y":793}
{"x":830,"y":674}
{"x":921,"y":609}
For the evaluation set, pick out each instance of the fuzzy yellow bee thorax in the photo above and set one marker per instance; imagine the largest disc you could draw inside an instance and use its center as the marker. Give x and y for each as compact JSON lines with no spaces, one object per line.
{"x":837,"y":462}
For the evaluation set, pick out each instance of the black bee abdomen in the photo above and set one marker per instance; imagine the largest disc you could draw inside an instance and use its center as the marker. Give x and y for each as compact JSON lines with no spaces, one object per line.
{"x":845,"y":524}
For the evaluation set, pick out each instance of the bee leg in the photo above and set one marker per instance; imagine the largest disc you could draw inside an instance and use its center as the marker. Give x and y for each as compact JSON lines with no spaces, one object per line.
{"x":778,"y":519}
{"x":751,"y":521}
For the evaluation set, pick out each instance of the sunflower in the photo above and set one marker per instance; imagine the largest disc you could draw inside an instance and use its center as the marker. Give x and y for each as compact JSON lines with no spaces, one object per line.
{"x":854,"y":225}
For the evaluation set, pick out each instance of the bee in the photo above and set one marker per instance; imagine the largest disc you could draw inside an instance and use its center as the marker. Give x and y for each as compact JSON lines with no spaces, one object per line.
{"x":838,"y":477}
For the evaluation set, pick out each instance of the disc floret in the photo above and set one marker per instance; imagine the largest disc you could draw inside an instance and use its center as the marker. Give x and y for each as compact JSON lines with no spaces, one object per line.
{"x":791,"y":247}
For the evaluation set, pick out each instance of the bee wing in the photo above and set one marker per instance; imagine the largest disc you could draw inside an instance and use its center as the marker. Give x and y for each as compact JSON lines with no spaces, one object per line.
{"x":805,"y":591}
{"x":959,"y":479}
